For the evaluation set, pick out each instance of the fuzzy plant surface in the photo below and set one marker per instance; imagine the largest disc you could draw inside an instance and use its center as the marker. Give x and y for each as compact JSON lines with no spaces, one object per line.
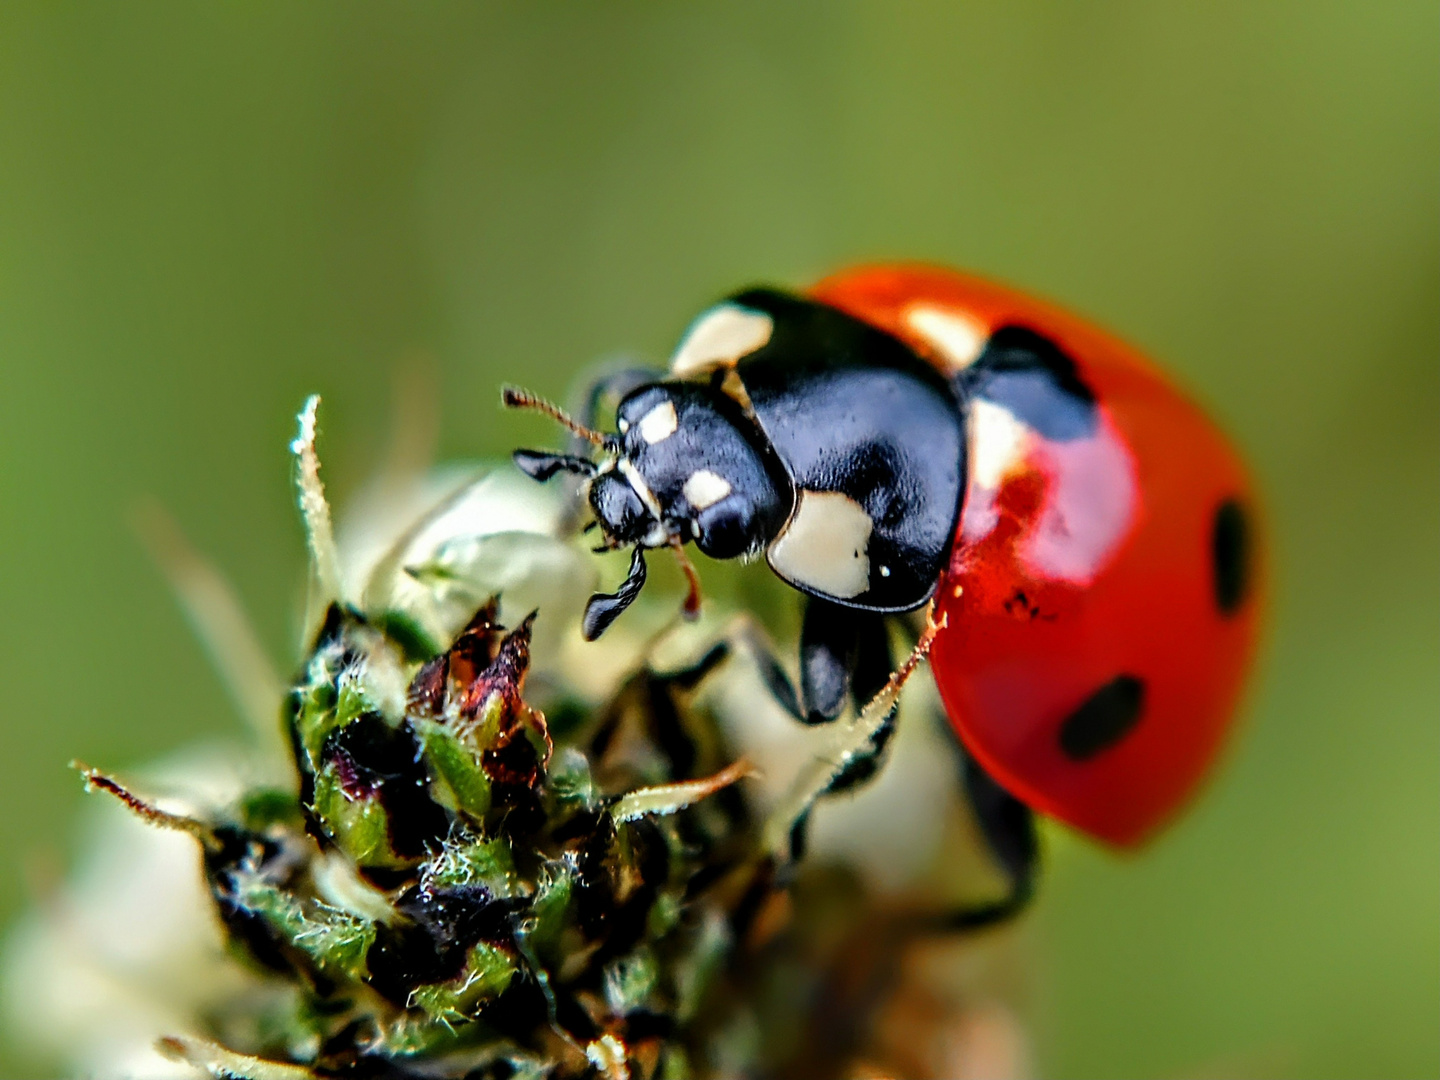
{"x":437,"y":878}
{"x":452,"y":891}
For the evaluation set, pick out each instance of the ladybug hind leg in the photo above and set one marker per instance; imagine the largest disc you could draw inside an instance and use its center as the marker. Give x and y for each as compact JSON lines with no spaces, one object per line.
{"x":1008,"y":826}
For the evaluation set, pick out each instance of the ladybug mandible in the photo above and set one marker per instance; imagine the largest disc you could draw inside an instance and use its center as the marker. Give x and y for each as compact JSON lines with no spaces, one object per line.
{"x":906,"y":434}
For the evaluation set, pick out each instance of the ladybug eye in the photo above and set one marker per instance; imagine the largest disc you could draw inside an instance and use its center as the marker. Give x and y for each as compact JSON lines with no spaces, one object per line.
{"x":621,"y":513}
{"x":725,"y":530}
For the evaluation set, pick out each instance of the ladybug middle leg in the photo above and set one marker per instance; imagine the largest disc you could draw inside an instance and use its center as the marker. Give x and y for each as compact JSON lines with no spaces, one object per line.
{"x":844,"y":653}
{"x":871,"y":664}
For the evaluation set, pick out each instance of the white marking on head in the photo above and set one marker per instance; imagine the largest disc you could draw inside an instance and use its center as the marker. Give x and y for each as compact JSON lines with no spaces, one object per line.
{"x":719,"y":338}
{"x":705,"y":488}
{"x":824,"y":546}
{"x":659,"y":423}
{"x":624,"y":425}
{"x":640,"y":487}
{"x":998,"y":443}
{"x":958,"y":338}
{"x":884,"y":571}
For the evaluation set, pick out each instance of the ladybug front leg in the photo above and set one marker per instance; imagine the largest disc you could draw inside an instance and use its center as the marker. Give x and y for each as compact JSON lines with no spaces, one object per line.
{"x":844,"y":653}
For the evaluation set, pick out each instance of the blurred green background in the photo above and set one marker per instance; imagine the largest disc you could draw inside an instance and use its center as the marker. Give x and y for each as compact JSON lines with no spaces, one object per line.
{"x":207,"y":211}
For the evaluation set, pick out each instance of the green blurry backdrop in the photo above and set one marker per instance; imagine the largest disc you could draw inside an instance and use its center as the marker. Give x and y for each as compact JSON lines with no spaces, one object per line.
{"x":207,"y":211}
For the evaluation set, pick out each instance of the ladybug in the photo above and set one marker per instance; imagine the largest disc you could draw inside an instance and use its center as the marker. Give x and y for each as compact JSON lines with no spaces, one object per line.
{"x":901,"y":436}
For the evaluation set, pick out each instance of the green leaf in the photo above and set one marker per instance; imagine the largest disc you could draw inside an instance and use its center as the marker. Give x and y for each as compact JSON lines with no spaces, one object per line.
{"x":360,"y":827}
{"x":218,"y":1061}
{"x":264,"y":807}
{"x":549,"y":908}
{"x":336,"y":941}
{"x":569,"y":782}
{"x":488,"y":863}
{"x":488,"y":971}
{"x":460,"y":777}
{"x":671,"y":798}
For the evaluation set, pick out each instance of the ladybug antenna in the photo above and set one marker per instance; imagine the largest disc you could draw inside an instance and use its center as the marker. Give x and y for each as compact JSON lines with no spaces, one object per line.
{"x":515,"y":398}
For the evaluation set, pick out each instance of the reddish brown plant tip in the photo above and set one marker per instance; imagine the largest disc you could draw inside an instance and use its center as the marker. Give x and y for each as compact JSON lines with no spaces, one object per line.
{"x":465,"y":662}
{"x":474,"y":648}
{"x":426,"y":694}
{"x":95,"y":780}
{"x":504,"y":675}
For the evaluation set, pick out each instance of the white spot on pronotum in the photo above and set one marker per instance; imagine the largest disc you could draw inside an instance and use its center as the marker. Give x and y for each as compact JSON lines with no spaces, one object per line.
{"x":624,"y":425}
{"x":824,"y":545}
{"x":659,"y":423}
{"x":884,"y":571}
{"x":957,"y":337}
{"x":998,"y":443}
{"x":705,"y":488}
{"x":719,"y":337}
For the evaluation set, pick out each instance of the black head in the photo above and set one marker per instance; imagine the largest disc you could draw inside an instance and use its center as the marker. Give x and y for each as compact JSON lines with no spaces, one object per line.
{"x":691,"y":466}
{"x":686,"y":465}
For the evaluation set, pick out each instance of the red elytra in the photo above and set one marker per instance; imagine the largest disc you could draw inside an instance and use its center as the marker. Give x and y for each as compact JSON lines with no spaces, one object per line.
{"x":1091,"y":658}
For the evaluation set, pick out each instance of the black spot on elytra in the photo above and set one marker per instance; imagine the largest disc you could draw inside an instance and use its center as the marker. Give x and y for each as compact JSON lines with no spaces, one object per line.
{"x":1105,"y":718}
{"x":1035,"y":380}
{"x":1230,"y":543}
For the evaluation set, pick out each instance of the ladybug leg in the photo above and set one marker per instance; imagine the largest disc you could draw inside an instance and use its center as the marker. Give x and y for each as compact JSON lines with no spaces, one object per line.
{"x":873,"y":662}
{"x":828,"y":639}
{"x":863,"y":737}
{"x":777,"y":682}
{"x":862,"y":769}
{"x":843,"y":654}
{"x":872,"y":665}
{"x":829,"y":647}
{"x":1008,"y":826}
